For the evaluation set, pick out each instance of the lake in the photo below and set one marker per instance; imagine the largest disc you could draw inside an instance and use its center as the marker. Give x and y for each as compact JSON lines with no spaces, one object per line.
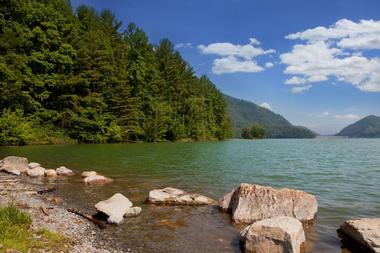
{"x":343,"y":174}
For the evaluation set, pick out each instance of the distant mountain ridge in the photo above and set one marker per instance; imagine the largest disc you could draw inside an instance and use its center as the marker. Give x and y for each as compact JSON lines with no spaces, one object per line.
{"x":244,"y":114}
{"x":368,"y":127}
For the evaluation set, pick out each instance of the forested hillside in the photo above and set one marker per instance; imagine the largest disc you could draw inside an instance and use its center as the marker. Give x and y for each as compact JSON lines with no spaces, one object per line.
{"x":368,"y":127}
{"x":84,"y":76}
{"x":245,"y":114}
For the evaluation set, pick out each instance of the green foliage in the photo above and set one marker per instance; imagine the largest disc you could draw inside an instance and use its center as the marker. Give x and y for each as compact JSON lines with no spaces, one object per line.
{"x":15,"y":233}
{"x":78,"y":75}
{"x":244,"y":114}
{"x":257,"y":131}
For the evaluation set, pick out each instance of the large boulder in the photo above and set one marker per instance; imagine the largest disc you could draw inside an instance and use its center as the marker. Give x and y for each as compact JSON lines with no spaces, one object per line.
{"x":36,"y":172}
{"x":97,"y":179}
{"x":173,"y":196}
{"x":33,"y":165}
{"x":362,"y":233}
{"x":89,"y":173}
{"x":248,"y":203}
{"x":276,"y":235}
{"x":116,"y":207}
{"x":14,"y":165}
{"x":64,"y":171}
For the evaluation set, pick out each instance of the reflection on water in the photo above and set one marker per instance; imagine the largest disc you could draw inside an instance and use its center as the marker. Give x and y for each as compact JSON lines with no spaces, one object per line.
{"x":344,"y":174}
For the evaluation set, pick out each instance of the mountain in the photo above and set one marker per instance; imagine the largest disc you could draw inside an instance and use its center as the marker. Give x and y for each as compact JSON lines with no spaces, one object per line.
{"x":368,"y":127}
{"x":245,"y":114}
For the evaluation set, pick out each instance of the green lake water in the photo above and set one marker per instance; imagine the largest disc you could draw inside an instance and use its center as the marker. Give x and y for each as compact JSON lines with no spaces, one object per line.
{"x":343,"y":174}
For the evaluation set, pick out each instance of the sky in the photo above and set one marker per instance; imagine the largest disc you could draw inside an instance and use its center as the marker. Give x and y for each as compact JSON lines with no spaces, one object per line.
{"x":316,"y":62}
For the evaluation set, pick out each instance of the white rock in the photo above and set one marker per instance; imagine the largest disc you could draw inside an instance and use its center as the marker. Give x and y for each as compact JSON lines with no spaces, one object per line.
{"x":275,"y":235}
{"x":363,"y":233}
{"x":64,"y":171}
{"x":14,"y":165}
{"x":173,"y":196}
{"x":88,"y":173}
{"x":249,"y":203}
{"x":97,"y":179}
{"x":36,"y":172}
{"x":32,"y":165}
{"x":115,"y":207}
{"x":51,"y":173}
{"x":133,"y":211}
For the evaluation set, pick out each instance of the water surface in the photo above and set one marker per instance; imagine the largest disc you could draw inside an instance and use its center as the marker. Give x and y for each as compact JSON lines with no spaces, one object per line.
{"x":343,"y":174}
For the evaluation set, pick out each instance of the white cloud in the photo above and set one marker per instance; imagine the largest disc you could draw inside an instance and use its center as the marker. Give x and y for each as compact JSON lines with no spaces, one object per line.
{"x":183,"y":45}
{"x":266,"y":105}
{"x":333,"y":53}
{"x":235,"y":58}
{"x":300,"y":89}
{"x":269,"y":65}
{"x":347,"y":117}
{"x":232,"y":64}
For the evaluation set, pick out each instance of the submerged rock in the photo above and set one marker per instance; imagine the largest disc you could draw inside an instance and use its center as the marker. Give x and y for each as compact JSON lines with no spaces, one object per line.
{"x":64,"y":171}
{"x":248,"y":203}
{"x":88,"y":173}
{"x":97,"y":179}
{"x":116,"y":207}
{"x":362,"y":233}
{"x":36,"y":172}
{"x":51,"y":173}
{"x":275,"y":235}
{"x":14,"y":165}
{"x":173,"y":196}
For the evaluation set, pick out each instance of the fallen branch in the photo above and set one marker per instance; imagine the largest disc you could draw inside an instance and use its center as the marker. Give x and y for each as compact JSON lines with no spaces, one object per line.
{"x":44,"y":210}
{"x":98,"y":223}
{"x":46,"y":190}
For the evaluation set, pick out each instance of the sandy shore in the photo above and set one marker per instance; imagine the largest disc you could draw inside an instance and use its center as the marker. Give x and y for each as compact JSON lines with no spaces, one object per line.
{"x":49,"y":211}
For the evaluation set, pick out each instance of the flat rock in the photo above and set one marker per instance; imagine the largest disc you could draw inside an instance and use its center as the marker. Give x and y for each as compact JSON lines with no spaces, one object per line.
{"x":89,"y":173}
{"x":114,"y":207}
{"x":14,"y":165}
{"x":248,"y":203}
{"x":173,"y":196}
{"x":276,"y":235}
{"x":51,"y":173}
{"x":97,"y":179}
{"x":362,"y":233}
{"x":133,"y":212}
{"x":32,"y":165}
{"x":64,"y":171}
{"x":36,"y":172}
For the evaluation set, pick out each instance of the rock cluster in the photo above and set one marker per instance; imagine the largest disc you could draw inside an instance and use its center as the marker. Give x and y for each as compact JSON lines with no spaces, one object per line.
{"x":117,"y":207}
{"x":18,"y":165}
{"x":92,"y":177}
{"x":173,"y":196}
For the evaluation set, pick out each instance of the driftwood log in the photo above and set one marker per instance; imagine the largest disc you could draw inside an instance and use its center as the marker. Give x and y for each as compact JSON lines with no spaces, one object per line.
{"x":98,"y":223}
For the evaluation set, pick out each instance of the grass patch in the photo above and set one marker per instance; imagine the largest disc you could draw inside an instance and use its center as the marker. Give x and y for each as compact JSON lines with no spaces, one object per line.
{"x":15,"y":233}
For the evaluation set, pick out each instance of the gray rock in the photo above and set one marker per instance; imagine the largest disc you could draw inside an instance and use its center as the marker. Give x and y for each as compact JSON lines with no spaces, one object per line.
{"x":115,"y":208}
{"x":88,"y":173}
{"x":64,"y":171}
{"x":249,"y":203}
{"x":275,"y":235}
{"x":33,"y":165}
{"x":173,"y":196}
{"x":36,"y":172}
{"x":133,"y":212}
{"x":362,"y":233}
{"x":14,"y":165}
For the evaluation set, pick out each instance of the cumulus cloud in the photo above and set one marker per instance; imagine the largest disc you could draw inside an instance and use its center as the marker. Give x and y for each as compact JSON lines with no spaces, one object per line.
{"x":266,"y":105}
{"x":235,"y":58}
{"x":300,"y":89}
{"x":269,"y":65}
{"x":336,"y":52}
{"x":347,"y":117}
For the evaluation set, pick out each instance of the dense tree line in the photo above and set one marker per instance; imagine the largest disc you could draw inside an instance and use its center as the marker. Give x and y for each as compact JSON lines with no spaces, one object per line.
{"x":256,"y":131}
{"x":81,"y":75}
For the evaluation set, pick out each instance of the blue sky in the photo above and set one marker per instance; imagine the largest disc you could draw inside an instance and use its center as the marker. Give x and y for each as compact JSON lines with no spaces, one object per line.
{"x":322,"y":78}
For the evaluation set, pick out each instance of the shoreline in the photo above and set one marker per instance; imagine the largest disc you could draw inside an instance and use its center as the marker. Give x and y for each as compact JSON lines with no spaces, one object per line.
{"x":49,"y":211}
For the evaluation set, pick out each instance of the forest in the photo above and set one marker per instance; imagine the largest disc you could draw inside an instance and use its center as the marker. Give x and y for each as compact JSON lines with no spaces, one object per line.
{"x":70,"y":76}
